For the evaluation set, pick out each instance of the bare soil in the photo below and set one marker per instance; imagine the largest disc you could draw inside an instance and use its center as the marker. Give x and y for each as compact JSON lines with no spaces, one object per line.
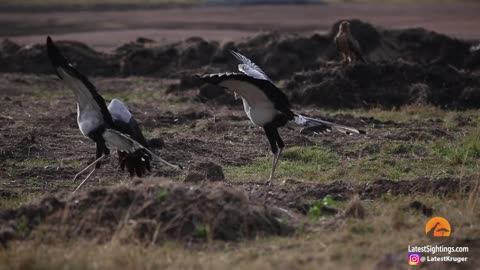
{"x":41,"y":149}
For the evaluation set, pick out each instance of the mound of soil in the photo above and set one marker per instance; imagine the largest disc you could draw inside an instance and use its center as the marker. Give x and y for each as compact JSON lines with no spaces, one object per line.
{"x":34,"y":59}
{"x":152,"y":211}
{"x":149,"y":212}
{"x":404,"y":66}
{"x":385,"y":84}
{"x":205,"y":171}
{"x":280,"y":54}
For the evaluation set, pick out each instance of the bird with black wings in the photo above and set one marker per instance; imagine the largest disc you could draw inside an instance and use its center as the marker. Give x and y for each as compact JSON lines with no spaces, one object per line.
{"x":267,"y":106}
{"x":107,"y":126}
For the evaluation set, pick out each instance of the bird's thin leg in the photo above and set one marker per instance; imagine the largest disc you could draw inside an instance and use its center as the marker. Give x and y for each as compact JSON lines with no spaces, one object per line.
{"x":85,"y":180}
{"x":271,"y":136}
{"x":279,"y":143}
{"x":88,"y":167}
{"x":276,"y":160}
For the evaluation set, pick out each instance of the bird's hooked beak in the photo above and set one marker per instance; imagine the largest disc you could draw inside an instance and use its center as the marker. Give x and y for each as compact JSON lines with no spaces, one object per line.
{"x":345,"y":27}
{"x":235,"y":95}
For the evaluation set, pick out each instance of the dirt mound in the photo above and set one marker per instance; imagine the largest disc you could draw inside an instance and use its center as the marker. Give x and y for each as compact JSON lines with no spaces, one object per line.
{"x":404,"y":66}
{"x":205,"y":171}
{"x":149,"y":212}
{"x":154,"y":210}
{"x":34,"y":59}
{"x":385,"y":84}
{"x":280,"y":54}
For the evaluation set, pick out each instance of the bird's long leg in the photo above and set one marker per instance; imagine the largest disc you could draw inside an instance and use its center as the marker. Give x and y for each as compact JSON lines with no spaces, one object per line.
{"x":88,"y":167}
{"x":276,"y":160}
{"x":84,"y":180}
{"x":281,"y":145}
{"x":270,"y":132}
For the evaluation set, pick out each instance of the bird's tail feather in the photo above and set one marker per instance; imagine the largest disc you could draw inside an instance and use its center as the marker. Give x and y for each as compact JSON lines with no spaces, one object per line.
{"x":321,"y":126}
{"x":120,"y":141}
{"x":124,"y":143}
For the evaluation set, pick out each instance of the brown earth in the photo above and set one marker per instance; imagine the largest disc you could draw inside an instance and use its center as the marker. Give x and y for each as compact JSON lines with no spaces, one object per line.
{"x":156,"y":209}
{"x":412,"y":66}
{"x":40,"y":151}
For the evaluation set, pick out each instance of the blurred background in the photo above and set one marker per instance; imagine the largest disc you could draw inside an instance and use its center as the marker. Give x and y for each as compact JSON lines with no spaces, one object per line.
{"x":106,"y":24}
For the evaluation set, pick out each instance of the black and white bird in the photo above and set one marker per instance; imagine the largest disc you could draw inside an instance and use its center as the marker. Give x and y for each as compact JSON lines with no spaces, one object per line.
{"x":267,"y":106}
{"x":107,"y":126}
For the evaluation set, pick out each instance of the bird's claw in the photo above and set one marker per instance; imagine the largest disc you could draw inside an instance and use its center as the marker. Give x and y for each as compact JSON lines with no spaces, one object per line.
{"x":269,"y":182}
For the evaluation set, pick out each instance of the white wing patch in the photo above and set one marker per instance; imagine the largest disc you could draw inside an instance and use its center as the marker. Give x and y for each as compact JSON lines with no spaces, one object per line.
{"x":250,"y":68}
{"x":89,"y":114}
{"x":259,"y":109}
{"x":254,"y":95}
{"x":119,"y":111}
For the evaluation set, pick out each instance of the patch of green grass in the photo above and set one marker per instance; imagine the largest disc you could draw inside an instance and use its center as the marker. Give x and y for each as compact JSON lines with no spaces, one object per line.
{"x":15,"y":201}
{"x":394,"y":161}
{"x":22,"y":225}
{"x":48,"y":95}
{"x":466,"y":152}
{"x":309,"y":163}
{"x":162,"y":194}
{"x":40,"y":163}
{"x":201,"y":231}
{"x":412,"y":113}
{"x":35,"y":163}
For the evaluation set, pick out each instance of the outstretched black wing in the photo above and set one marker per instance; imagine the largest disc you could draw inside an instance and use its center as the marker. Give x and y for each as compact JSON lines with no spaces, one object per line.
{"x":255,"y":91}
{"x":83,"y":89}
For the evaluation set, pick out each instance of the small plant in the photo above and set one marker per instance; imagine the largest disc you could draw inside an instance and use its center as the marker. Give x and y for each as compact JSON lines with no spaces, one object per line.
{"x":315,"y":210}
{"x":162,"y":194}
{"x":22,"y":226}
{"x":201,"y":231}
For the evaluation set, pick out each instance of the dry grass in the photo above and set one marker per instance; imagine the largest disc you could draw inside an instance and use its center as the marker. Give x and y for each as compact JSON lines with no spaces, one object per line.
{"x":329,"y":242}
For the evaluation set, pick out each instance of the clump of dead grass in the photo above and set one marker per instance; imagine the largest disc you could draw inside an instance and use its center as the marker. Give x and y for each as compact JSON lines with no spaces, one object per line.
{"x":355,"y":208}
{"x":151,"y":212}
